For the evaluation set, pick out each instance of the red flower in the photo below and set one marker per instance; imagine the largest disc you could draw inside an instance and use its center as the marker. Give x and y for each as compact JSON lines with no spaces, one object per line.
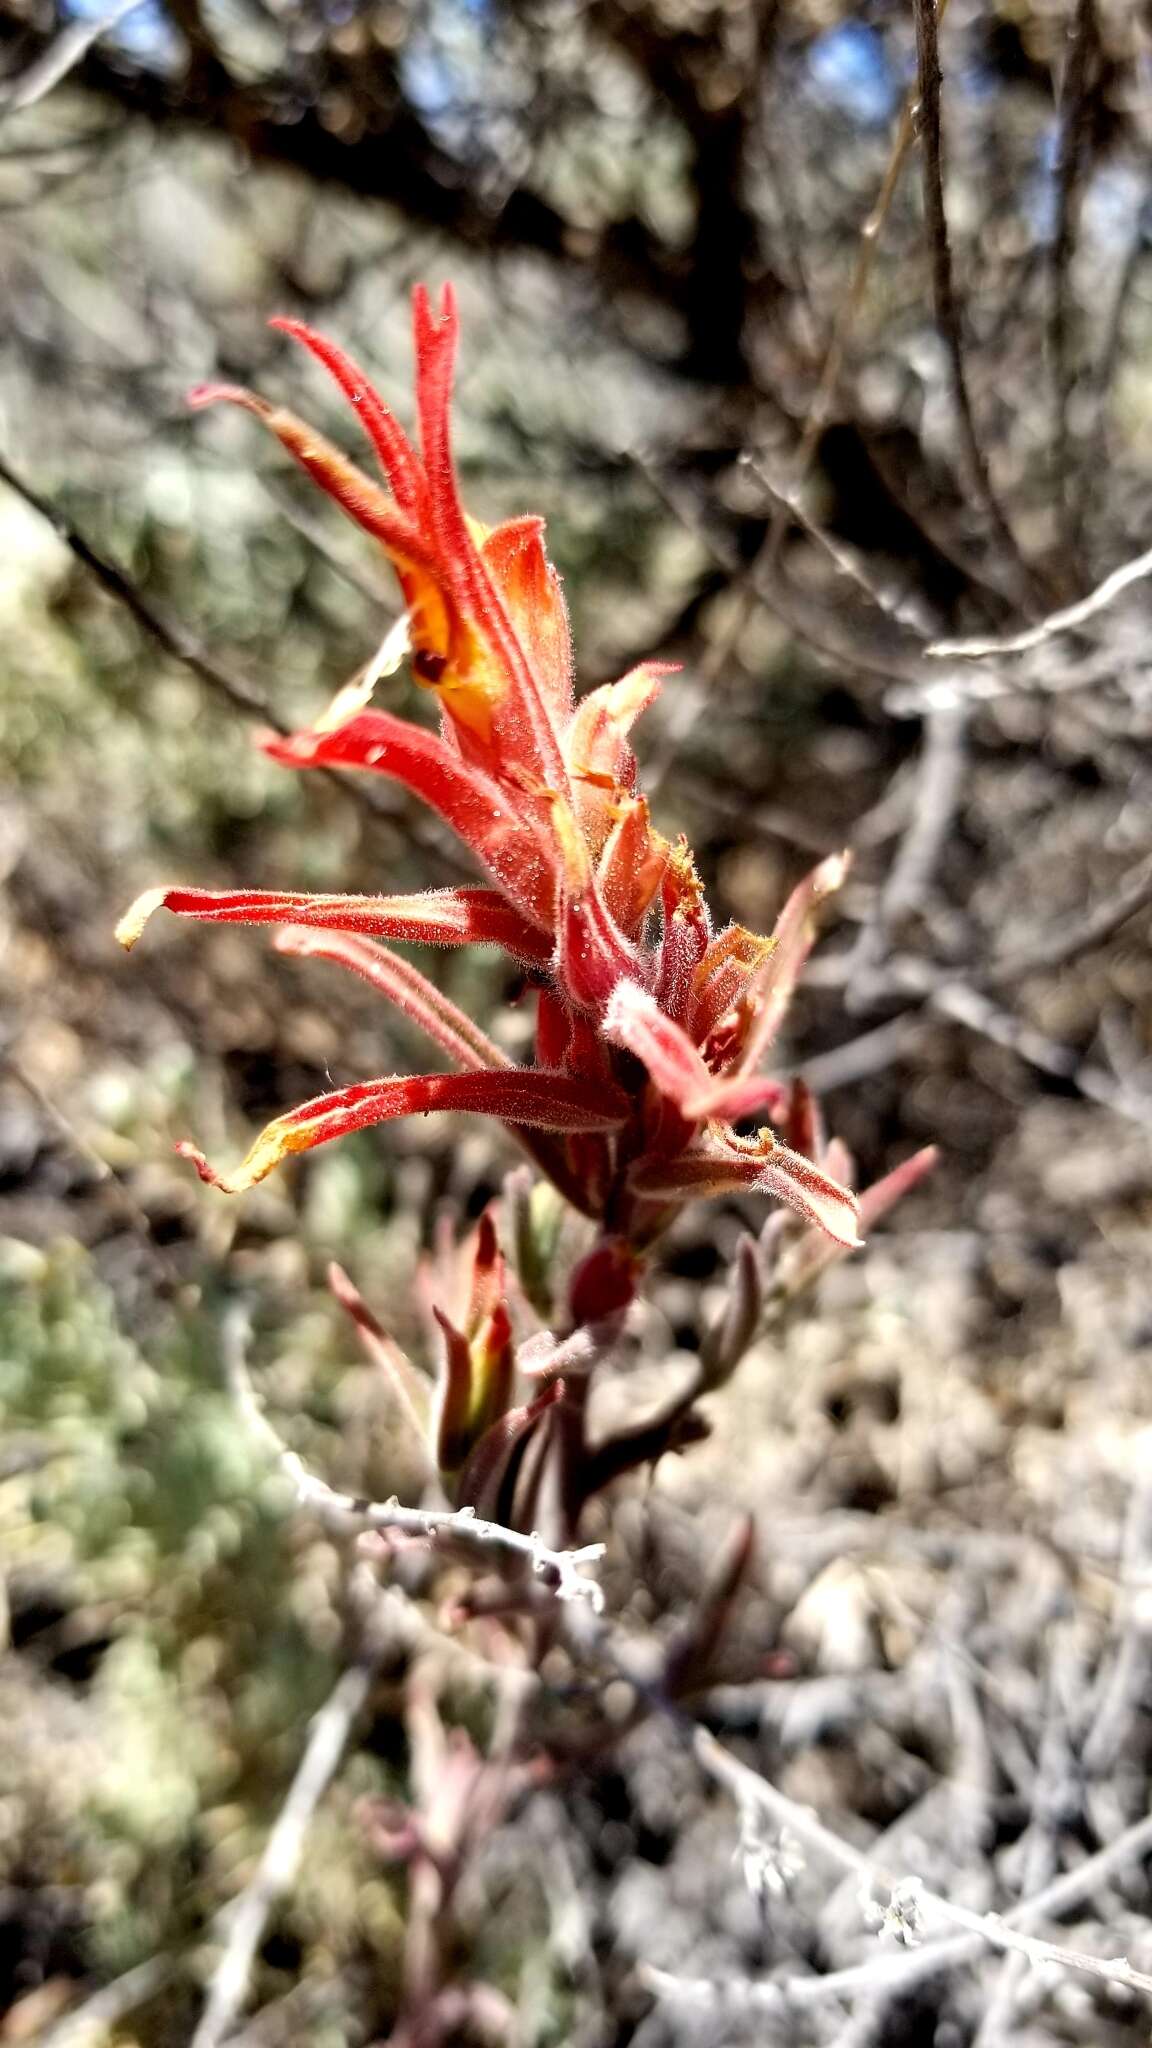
{"x":650,"y":1028}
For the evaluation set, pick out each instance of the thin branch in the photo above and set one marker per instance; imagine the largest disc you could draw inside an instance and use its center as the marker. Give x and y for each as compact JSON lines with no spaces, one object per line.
{"x":176,"y":641}
{"x":1121,"y":1696}
{"x":345,"y":1515}
{"x":933,"y":988}
{"x":247,"y":1920}
{"x":947,"y":306}
{"x":847,"y":313}
{"x":69,"y":48}
{"x":1076,"y":99}
{"x":168,"y":634}
{"x":107,"y":1176}
{"x":317,"y":536}
{"x":1058,"y":948}
{"x":903,"y":1972}
{"x":971,"y":1007}
{"x":760,"y":580}
{"x":865,"y":639}
{"x":1001,"y":1931}
{"x":786,"y":498}
{"x":103,"y":2012}
{"x":870,"y":1052}
{"x":1094,"y":467}
{"x":1055,"y":1769}
{"x":1063,"y":621}
{"x":936,"y":797}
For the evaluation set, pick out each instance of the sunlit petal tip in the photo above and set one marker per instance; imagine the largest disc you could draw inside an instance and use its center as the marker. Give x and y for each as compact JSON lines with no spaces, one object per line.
{"x":832,"y":873}
{"x":883,"y":1195}
{"x":273,"y":1145}
{"x":202,"y":395}
{"x":185,"y":1149}
{"x":812,"y":1194}
{"x":297,"y":939}
{"x":132,"y":924}
{"x":633,"y":1019}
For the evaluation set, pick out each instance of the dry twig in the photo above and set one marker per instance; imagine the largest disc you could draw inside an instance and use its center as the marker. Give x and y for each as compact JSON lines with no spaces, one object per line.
{"x":248,"y":1918}
{"x":1121,"y":1695}
{"x":1071,"y":167}
{"x":61,"y":56}
{"x":1002,"y":1931}
{"x":1063,"y":621}
{"x":947,"y":305}
{"x":103,"y":2012}
{"x":345,"y":1515}
{"x":176,"y":641}
{"x":936,"y":797}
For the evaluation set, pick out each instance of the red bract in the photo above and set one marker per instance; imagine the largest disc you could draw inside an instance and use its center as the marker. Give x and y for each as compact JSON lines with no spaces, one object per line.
{"x":650,"y":1027}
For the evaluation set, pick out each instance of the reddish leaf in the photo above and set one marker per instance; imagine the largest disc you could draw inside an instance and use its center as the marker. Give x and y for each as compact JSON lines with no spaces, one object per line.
{"x":443,"y":1021}
{"x":634,"y":1019}
{"x":487,"y":1280}
{"x":406,"y":1384}
{"x":397,"y":455}
{"x":356,"y":494}
{"x":631,"y":865}
{"x":884,"y":1194}
{"x":515,"y":557}
{"x":793,"y":938}
{"x":767,"y":1169}
{"x":492,"y":1464}
{"x":439,"y":917}
{"x":473,"y":589}
{"x":454,"y":1398}
{"x":597,"y":741}
{"x":513,"y":845}
{"x":603,"y":1282}
{"x":549,"y":1102}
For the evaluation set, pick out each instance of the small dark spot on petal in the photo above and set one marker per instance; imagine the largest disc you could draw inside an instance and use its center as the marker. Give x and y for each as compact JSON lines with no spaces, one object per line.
{"x":428,"y":666}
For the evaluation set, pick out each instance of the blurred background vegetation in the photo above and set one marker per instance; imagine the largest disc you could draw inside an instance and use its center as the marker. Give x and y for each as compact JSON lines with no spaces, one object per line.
{"x":706,"y":334}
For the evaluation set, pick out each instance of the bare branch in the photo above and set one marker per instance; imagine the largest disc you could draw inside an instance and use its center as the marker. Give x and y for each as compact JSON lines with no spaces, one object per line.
{"x":346,"y":1515}
{"x":939,"y":989}
{"x":176,"y":641}
{"x":1071,"y":166}
{"x":947,"y":306}
{"x":69,"y":48}
{"x":749,"y":1789}
{"x":1063,"y":621}
{"x":1121,"y":1694}
{"x":248,"y":1918}
{"x":102,"y":2013}
{"x":939,"y":782}
{"x":970,"y":1006}
{"x":848,"y":311}
{"x":1058,"y":948}
{"x":168,"y":634}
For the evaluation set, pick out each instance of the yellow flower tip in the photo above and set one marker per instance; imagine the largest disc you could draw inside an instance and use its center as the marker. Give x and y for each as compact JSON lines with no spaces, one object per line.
{"x":470,"y":702}
{"x":573,"y":847}
{"x":348,"y":701}
{"x":136,"y":917}
{"x":270,"y":1148}
{"x":683,"y":874}
{"x":833,"y":873}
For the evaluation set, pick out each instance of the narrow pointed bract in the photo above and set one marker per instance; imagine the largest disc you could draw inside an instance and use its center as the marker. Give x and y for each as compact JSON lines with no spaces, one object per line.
{"x":651,"y":1026}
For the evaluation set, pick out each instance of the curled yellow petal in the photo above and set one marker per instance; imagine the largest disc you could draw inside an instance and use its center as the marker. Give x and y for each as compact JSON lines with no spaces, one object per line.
{"x":275,"y":1143}
{"x":137,"y":915}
